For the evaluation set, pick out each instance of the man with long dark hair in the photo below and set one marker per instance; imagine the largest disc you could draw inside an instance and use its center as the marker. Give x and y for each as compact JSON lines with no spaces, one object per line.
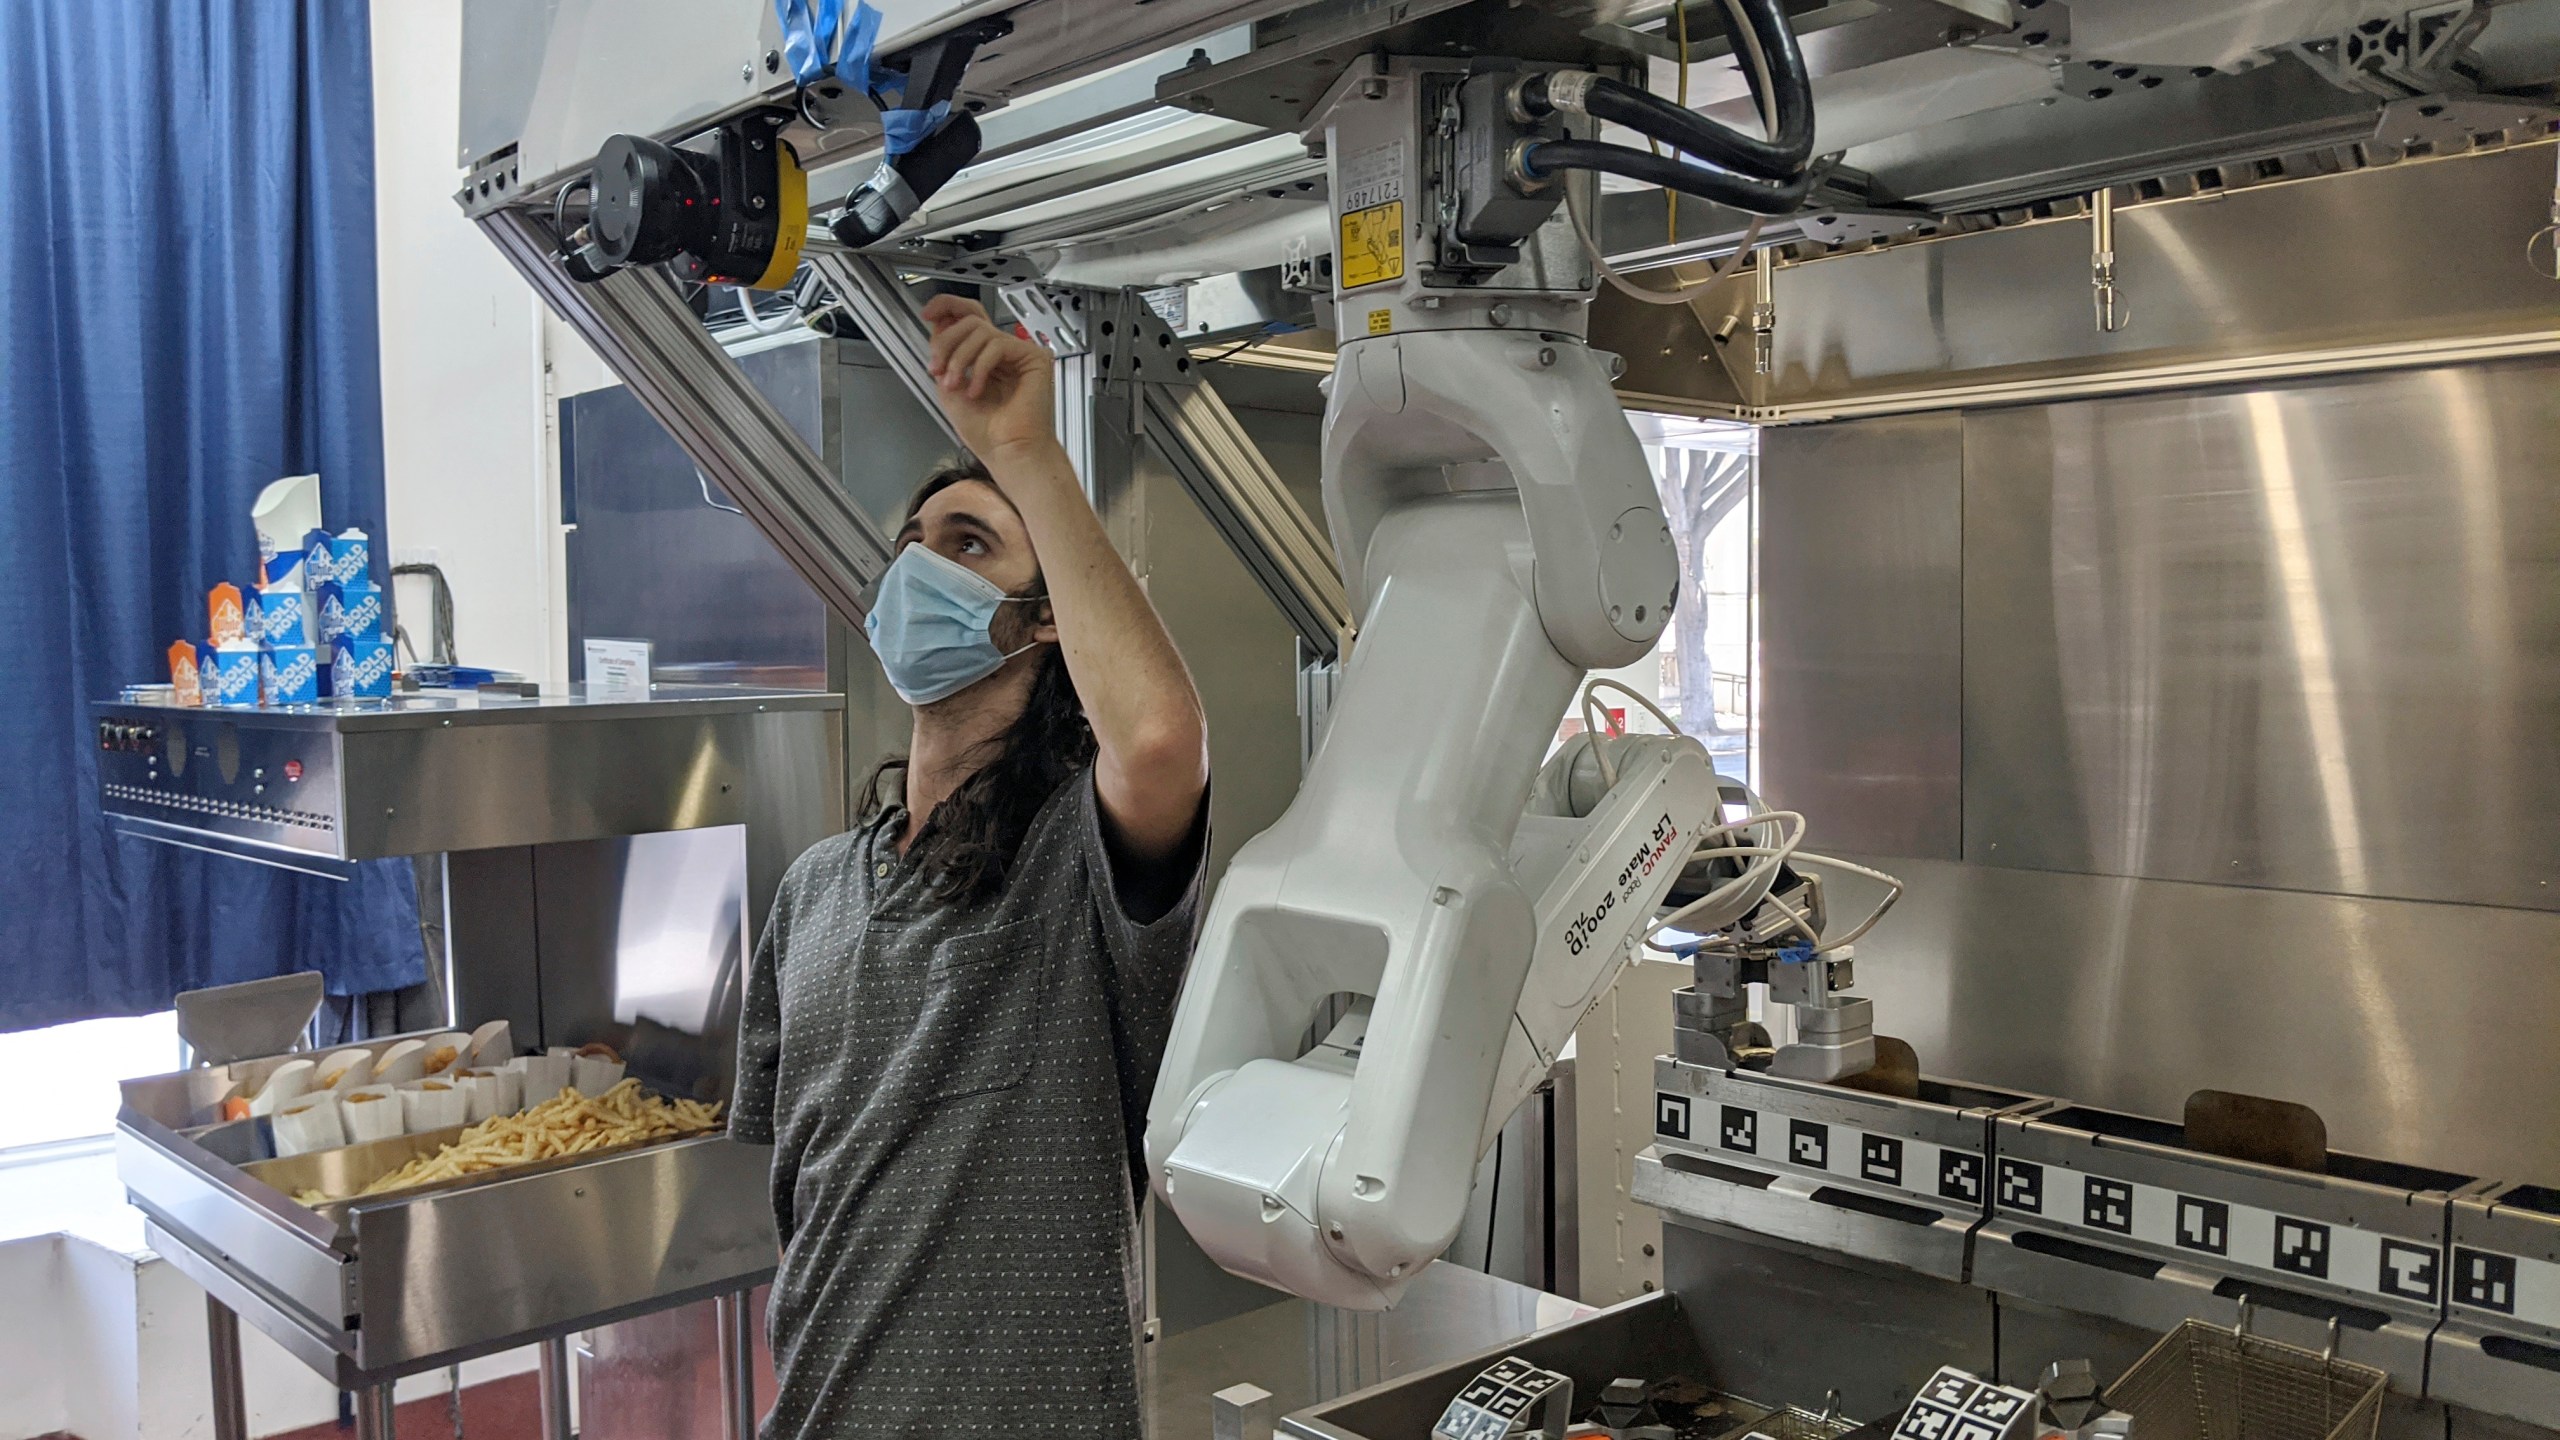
{"x":957,"y":1009}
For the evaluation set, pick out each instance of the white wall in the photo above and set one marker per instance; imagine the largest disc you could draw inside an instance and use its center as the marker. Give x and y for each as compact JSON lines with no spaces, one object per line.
{"x":468,"y":456}
{"x":100,"y":1333}
{"x":111,"y":1346}
{"x":31,"y":1350}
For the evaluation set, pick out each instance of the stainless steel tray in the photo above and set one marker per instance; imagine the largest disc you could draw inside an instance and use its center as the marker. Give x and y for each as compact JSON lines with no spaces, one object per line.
{"x":368,"y":1289}
{"x":1648,"y":1337}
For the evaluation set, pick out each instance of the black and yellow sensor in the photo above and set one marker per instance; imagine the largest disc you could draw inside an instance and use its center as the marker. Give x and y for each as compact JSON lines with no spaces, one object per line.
{"x":730,"y":206}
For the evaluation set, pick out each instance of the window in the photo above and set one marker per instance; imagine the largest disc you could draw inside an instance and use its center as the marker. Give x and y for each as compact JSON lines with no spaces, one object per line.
{"x":64,"y":1077}
{"x":1704,"y":669}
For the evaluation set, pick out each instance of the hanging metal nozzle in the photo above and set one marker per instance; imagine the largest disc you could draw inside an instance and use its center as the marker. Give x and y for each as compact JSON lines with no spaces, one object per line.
{"x":2112,"y":314}
{"x":1764,"y":313}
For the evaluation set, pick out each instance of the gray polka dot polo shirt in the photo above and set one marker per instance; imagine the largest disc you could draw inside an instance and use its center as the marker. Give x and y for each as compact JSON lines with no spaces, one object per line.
{"x":956,"y":1100}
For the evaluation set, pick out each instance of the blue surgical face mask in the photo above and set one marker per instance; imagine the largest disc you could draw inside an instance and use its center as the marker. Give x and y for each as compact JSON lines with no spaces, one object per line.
{"x":929,"y":625}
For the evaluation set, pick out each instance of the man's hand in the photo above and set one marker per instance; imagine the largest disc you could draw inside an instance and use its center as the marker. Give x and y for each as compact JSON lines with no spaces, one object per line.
{"x":996,"y":388}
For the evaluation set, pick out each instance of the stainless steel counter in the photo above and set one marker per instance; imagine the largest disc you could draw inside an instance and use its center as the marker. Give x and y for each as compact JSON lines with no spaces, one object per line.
{"x":366,"y":1290}
{"x":546,"y":816}
{"x":1306,"y":1354}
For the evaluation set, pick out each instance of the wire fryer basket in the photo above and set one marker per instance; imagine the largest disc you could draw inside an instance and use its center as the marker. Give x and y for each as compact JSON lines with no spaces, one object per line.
{"x":1794,"y":1422}
{"x":2210,"y":1382}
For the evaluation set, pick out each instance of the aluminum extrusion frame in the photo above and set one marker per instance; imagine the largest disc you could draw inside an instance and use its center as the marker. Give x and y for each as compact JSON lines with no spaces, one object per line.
{"x":647,"y":336}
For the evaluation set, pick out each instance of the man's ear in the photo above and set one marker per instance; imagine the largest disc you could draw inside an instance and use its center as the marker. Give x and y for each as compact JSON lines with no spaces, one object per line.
{"x":1046,"y":630}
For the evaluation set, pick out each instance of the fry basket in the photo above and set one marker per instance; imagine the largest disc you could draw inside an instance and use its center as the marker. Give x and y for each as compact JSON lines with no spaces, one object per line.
{"x":2212,"y":1382}
{"x":1794,"y":1422}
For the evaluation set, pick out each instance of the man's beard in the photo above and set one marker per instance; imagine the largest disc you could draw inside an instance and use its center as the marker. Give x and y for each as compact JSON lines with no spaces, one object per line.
{"x":1022,"y":614}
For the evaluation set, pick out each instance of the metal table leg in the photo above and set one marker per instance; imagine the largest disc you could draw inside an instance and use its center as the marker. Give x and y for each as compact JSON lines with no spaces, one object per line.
{"x":222,"y":1345}
{"x":554,"y":1386}
{"x":373,"y":1412}
{"x":737,"y":1366}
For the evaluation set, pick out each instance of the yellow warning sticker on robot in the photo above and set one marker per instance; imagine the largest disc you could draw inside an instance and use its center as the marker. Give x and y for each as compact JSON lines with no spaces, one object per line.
{"x":1381,"y":321}
{"x":1373,"y":245}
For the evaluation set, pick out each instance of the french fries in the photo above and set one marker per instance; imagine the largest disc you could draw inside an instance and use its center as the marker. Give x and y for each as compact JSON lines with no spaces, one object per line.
{"x":567,"y":1124}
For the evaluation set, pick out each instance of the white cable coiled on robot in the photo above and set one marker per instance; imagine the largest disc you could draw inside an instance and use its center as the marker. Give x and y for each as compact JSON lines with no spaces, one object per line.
{"x":1729,"y":902}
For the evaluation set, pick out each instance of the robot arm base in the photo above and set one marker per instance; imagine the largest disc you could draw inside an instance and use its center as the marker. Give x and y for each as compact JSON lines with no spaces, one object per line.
{"x":1245,"y":1175}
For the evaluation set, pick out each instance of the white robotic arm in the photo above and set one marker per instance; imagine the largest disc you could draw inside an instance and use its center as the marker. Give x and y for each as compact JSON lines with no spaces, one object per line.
{"x":1501,"y":534}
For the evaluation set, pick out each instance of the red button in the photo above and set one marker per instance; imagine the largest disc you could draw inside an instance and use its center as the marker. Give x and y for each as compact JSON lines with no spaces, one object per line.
{"x":293,"y":769}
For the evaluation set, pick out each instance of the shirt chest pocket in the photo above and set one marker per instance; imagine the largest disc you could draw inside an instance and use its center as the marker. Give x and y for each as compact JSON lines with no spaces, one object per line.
{"x":980,"y":1018}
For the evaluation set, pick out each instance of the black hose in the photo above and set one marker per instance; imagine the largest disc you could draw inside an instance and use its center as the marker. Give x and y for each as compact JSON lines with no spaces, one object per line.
{"x":1759,"y":197}
{"x":1774,"y":158}
{"x":1694,"y":134}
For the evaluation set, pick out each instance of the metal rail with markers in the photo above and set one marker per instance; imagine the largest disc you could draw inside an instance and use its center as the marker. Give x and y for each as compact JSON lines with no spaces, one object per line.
{"x":2499,"y":1349}
{"x":2113,"y":1215}
{"x":1885,"y":1178}
{"x":2449,"y":1285}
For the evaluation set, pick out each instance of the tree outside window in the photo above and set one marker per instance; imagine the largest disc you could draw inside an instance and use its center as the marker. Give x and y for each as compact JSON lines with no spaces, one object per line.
{"x":1707,"y":473}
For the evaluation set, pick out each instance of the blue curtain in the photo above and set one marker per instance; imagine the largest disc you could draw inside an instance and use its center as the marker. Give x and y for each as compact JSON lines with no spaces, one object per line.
{"x":187,"y":308}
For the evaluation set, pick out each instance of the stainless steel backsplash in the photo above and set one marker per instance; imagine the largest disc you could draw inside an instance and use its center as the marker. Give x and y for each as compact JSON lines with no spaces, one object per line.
{"x":2217,"y":731}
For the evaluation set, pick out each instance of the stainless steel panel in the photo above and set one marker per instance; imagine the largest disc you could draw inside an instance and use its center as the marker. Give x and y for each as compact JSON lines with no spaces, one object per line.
{"x":253,"y":1303}
{"x":2160,"y":1295}
{"x":883,"y":441}
{"x":889,"y":313}
{"x":585,"y":773}
{"x":1862,"y":631}
{"x":2305,"y":637}
{"x":658,"y":552}
{"x":2495,"y":1378}
{"x":2418,"y":1031}
{"x":443,"y":770}
{"x":643,"y":944}
{"x":1991,"y":150}
{"x":223,"y":773}
{"x":1282,"y":411}
{"x":2006,"y":155}
{"x":1674,"y":361}
{"x":1518,"y":1221}
{"x":2369,"y":260}
{"x":494,"y":970}
{"x":285,"y":1248}
{"x":542,"y":1252}
{"x":846,"y":401}
{"x":880,"y":437}
{"x":1240,"y":647}
{"x":1933,"y":1242}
